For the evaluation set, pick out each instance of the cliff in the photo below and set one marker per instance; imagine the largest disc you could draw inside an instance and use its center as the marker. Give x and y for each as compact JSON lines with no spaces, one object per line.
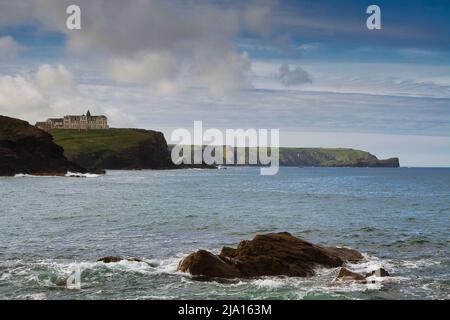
{"x":147,"y":149}
{"x":332,"y":157}
{"x":115,"y":148}
{"x":29,"y":150}
{"x":314,"y":157}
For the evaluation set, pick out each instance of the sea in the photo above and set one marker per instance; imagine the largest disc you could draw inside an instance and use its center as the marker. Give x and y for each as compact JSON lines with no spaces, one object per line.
{"x":55,"y":228}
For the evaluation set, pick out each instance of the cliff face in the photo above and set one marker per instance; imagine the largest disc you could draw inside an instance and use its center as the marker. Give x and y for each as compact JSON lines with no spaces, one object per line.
{"x":28,"y":150}
{"x":115,"y":148}
{"x":311,"y":157}
{"x":332,"y":157}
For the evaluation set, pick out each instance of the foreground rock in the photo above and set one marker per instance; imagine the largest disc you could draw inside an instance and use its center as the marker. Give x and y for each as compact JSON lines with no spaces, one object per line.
{"x":29,"y":150}
{"x":273,"y":254}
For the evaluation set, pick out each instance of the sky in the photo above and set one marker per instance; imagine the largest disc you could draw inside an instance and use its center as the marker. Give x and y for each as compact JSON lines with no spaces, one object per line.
{"x":309,"y":68}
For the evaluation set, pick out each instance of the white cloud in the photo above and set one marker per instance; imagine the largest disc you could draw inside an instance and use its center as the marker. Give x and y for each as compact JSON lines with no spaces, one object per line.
{"x":144,"y":67}
{"x":258,"y":15}
{"x":155,"y":41}
{"x":224,"y":74}
{"x":36,"y":96}
{"x":20,"y":97}
{"x":54,"y":77}
{"x":9,"y":48}
{"x":365,"y":78}
{"x":294,"y":76}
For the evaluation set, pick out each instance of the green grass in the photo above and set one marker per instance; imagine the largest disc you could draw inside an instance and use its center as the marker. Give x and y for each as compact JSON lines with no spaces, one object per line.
{"x":312,"y":156}
{"x":77,"y":142}
{"x":11,"y":128}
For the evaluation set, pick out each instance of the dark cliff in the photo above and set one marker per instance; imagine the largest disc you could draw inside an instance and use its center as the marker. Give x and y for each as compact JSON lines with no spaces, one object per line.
{"x":29,"y":150}
{"x":115,"y":148}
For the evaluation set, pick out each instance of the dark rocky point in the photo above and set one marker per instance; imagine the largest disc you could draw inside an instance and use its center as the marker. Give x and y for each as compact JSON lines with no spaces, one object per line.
{"x":25,"y":149}
{"x":273,"y":254}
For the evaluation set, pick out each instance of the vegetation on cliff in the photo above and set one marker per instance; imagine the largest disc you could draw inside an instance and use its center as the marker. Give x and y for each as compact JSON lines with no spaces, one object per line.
{"x":146,"y":149}
{"x":115,"y":148}
{"x":310,"y":157}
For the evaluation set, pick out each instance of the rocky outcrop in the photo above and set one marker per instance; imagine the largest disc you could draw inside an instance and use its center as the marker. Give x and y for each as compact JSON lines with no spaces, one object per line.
{"x":273,"y":254}
{"x":28,"y":150}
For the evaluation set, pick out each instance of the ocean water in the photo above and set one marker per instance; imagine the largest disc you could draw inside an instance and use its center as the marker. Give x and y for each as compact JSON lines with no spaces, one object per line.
{"x":51,"y":226}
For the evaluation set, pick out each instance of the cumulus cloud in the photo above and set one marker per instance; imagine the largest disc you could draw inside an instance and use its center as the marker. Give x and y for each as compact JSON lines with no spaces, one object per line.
{"x":143,"y":67}
{"x":9,"y":47}
{"x":156,"y":42}
{"x":33,"y":96}
{"x":258,"y":17}
{"x":294,"y":76}
{"x":54,"y":77}
{"x":19,"y":96}
{"x":225,"y":73}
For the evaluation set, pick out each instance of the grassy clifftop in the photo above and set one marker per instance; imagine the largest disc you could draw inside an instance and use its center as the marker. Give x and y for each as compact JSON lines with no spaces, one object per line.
{"x":146,"y":149}
{"x":314,"y":157}
{"x":328,"y":157}
{"x":114,"y":148}
{"x":13,"y":129}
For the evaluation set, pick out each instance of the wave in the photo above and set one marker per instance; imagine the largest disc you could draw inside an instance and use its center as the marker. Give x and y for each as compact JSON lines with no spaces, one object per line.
{"x":167,"y":283}
{"x":82,"y":175}
{"x":68,"y":174}
{"x":24,"y":175}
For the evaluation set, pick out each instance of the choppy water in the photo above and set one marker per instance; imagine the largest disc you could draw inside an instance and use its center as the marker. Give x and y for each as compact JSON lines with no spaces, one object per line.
{"x":48,"y":225}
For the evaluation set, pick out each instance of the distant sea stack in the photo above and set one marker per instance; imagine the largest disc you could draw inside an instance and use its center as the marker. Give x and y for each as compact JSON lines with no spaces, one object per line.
{"x":25,"y":149}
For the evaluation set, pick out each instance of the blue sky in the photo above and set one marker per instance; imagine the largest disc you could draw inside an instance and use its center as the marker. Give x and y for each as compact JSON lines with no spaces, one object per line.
{"x":310,"y":68}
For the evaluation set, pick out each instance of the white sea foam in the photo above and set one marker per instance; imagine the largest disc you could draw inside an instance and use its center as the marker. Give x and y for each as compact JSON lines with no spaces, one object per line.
{"x":24,"y":175}
{"x":269,"y":283}
{"x":83,"y":175}
{"x":68,"y":174}
{"x":34,"y":296}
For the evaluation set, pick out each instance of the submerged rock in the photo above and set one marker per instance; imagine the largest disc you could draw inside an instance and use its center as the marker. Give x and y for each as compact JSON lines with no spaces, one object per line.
{"x":273,"y":254}
{"x":381,"y":272}
{"x":347,"y":275}
{"x":115,"y":259}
